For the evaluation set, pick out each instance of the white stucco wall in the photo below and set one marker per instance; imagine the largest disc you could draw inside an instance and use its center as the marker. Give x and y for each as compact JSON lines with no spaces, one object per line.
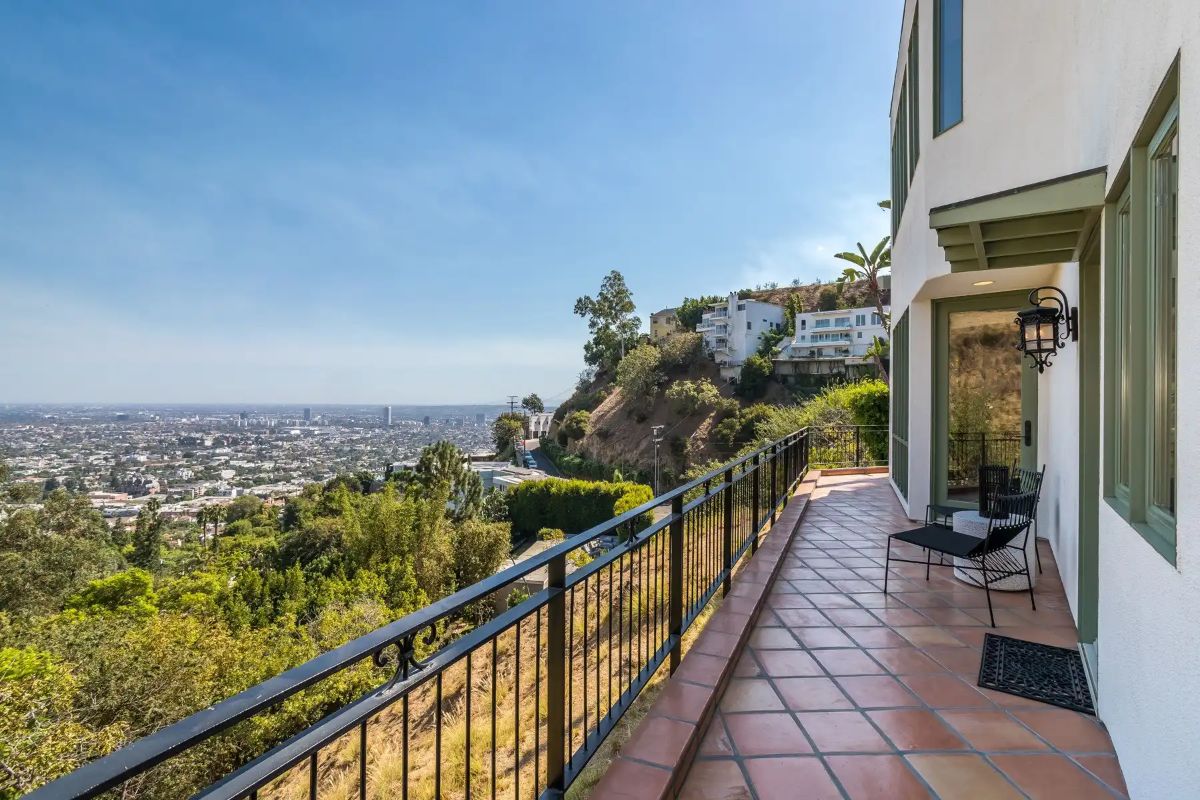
{"x":1050,"y":89}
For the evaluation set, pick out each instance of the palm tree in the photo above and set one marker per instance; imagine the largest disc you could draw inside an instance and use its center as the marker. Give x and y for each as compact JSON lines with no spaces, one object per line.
{"x":868,"y":267}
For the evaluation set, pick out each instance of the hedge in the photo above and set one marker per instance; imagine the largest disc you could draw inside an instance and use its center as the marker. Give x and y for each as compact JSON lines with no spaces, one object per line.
{"x":572,"y":505}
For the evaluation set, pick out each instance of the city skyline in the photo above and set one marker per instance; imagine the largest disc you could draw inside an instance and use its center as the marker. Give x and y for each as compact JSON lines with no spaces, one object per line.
{"x":243,"y":204}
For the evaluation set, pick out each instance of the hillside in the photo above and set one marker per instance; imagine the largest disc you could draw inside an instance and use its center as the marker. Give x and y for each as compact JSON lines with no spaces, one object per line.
{"x":852,"y":295}
{"x":620,"y":428}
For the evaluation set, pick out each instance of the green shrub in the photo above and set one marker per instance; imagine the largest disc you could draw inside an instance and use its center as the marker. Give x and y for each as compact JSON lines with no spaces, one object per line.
{"x":689,"y":397}
{"x":551,"y":535}
{"x":756,"y":373}
{"x":742,"y":427}
{"x":575,"y":426}
{"x":571,"y":505}
{"x":639,"y":372}
{"x":681,"y":351}
{"x":577,"y":465}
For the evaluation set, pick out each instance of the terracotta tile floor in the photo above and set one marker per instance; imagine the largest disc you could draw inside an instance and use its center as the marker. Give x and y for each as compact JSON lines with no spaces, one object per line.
{"x":845,"y":693}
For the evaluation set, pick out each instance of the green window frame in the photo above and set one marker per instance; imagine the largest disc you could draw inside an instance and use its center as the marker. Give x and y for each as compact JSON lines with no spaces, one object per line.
{"x":906,"y":130}
{"x":1141,"y":265}
{"x":947,"y":65}
{"x":898,"y":461}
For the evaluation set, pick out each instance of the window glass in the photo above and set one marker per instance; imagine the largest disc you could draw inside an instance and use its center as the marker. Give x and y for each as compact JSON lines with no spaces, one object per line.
{"x":948,"y":64}
{"x":1164,"y":171}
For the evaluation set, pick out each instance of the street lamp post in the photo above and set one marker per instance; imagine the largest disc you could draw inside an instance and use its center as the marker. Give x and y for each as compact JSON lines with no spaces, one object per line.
{"x":656,"y":430}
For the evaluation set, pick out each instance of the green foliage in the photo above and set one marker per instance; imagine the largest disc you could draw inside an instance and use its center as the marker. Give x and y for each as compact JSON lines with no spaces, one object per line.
{"x":493,"y":507}
{"x":507,"y":427}
{"x":479,"y":550}
{"x":442,"y":469}
{"x":148,"y":537}
{"x":827,"y":298}
{"x":575,"y":426}
{"x":551,"y":535}
{"x":578,"y":465}
{"x":129,"y":592}
{"x":689,"y":397}
{"x":571,"y":505}
{"x":24,"y":492}
{"x":756,"y":374}
{"x":533,"y":404}
{"x":611,"y":320}
{"x":691,"y":310}
{"x":740,"y":428}
{"x":41,"y":735}
{"x":246,"y":507}
{"x":681,"y":351}
{"x":768,"y":343}
{"x":640,"y":372}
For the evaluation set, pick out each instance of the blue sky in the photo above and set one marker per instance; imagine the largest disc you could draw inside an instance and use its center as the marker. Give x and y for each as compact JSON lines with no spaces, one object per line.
{"x":400,"y":202}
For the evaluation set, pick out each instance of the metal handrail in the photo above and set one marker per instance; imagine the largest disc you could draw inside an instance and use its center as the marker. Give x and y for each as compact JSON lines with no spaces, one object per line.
{"x":140,"y":756}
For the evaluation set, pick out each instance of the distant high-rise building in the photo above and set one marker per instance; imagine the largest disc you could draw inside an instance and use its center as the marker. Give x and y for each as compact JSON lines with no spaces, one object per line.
{"x":479,"y":419}
{"x":427,"y":420}
{"x":308,"y":415}
{"x":387,"y":416}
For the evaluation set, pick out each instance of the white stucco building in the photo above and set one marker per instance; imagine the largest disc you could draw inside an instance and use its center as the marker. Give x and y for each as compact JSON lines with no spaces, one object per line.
{"x":1037,"y":144}
{"x":829,"y":342}
{"x":732,"y":330}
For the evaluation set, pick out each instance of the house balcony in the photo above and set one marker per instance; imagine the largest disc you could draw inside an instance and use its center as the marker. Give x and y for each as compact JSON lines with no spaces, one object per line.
{"x":728,"y":639}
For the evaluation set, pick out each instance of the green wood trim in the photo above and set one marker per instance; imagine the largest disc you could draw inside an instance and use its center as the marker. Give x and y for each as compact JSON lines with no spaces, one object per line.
{"x":999,"y":301}
{"x":1068,"y":193}
{"x":1089,"y":444}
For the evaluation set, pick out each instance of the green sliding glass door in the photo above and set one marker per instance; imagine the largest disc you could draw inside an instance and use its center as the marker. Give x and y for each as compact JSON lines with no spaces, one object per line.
{"x":985,"y":398}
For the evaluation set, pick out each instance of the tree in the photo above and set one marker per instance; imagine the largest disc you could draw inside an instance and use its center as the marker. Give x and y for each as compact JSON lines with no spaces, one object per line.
{"x":791,"y":307}
{"x":692,"y":309}
{"x":639,"y":373}
{"x":129,"y":592}
{"x":611,"y":321}
{"x":507,"y":427}
{"x":533,"y":404}
{"x":442,"y":469}
{"x":868,"y":267}
{"x":827,"y":298}
{"x":148,"y":537}
{"x":245,"y":507}
{"x":756,"y":372}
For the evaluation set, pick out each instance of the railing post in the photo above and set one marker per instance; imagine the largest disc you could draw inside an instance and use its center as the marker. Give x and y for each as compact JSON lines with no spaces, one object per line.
{"x":675,"y":602}
{"x":774,"y":499}
{"x":857,"y":446}
{"x":787,"y":471}
{"x":727,"y":534}
{"x":557,"y":659}
{"x":756,"y":502}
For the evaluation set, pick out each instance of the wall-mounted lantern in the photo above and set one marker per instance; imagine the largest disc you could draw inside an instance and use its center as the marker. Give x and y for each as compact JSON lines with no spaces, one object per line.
{"x":1045,"y":327}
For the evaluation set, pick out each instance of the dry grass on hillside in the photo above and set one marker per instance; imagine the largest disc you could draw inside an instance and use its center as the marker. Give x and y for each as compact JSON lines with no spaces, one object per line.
{"x":631,"y":598}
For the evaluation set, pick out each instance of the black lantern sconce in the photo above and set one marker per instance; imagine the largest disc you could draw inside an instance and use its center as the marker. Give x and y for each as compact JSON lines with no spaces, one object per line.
{"x":1046,"y":326}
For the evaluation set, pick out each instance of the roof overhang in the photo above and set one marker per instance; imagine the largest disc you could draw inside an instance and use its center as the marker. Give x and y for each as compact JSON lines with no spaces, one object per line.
{"x":1042,"y":223}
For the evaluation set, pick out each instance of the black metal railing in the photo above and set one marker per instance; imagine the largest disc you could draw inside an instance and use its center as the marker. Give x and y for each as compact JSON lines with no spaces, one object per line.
{"x":515,"y":706}
{"x":848,"y":446}
{"x":968,"y":451}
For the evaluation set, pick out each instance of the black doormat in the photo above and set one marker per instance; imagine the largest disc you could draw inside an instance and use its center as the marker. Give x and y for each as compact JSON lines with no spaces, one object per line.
{"x":1040,"y":672}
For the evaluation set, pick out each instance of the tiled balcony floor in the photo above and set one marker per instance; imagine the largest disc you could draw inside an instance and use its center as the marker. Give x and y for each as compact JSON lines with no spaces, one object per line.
{"x":845,"y":693}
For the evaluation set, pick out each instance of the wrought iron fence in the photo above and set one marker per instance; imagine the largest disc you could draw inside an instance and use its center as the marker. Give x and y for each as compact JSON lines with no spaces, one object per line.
{"x":968,"y":451}
{"x":848,"y":446}
{"x":513,"y":707}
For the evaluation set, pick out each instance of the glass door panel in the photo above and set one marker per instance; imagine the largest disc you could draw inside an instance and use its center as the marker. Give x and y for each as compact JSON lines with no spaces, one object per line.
{"x":987,"y":403}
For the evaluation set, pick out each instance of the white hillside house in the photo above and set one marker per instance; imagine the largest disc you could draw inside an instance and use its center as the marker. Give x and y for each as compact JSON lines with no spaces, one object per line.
{"x":829,"y":342}
{"x":733,"y":328}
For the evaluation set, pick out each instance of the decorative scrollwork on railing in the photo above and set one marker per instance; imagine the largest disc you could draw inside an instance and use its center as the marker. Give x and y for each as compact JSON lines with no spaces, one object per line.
{"x":406,"y":660}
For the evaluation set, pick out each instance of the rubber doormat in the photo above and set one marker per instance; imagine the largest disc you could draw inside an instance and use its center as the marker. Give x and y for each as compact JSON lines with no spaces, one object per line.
{"x":1040,"y":672}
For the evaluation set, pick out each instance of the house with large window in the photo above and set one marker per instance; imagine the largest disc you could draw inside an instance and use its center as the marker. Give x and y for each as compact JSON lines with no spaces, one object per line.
{"x":733,"y":329}
{"x":834,"y":342}
{"x":1036,"y":161}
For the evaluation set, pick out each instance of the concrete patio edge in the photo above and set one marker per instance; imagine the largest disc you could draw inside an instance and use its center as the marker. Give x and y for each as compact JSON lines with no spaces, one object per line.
{"x":654,"y":762}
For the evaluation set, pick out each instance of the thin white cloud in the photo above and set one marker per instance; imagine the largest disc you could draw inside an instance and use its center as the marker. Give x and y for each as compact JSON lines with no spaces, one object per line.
{"x":810,"y":255}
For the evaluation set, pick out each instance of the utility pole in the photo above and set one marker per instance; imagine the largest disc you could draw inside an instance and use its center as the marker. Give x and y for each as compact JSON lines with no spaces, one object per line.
{"x":656,"y":431}
{"x":512,"y":404}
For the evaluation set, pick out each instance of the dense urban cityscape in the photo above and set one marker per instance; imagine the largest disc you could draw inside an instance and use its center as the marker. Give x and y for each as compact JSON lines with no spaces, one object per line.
{"x":191,"y":456}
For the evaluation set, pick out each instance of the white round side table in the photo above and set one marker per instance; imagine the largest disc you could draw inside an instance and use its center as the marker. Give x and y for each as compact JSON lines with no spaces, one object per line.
{"x":972,"y":523}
